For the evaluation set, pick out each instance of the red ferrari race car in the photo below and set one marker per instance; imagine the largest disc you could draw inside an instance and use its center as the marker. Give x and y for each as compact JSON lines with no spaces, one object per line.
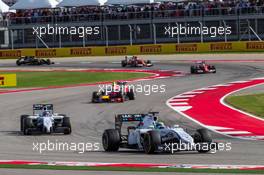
{"x":118,"y":92}
{"x":201,"y":67}
{"x":134,"y":61}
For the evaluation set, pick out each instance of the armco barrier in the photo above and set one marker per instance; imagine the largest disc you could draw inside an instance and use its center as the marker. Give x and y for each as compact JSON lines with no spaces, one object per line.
{"x":136,"y":49}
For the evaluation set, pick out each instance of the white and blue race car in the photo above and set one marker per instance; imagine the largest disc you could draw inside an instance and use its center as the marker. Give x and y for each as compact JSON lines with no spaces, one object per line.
{"x":149,"y":135}
{"x":44,"y":121}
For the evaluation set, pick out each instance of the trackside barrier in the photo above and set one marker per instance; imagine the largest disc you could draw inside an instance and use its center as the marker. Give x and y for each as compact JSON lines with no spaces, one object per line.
{"x":136,"y":49}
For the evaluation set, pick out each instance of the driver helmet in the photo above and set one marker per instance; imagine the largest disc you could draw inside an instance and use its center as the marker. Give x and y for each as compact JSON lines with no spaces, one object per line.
{"x":45,"y":114}
{"x":160,"y":125}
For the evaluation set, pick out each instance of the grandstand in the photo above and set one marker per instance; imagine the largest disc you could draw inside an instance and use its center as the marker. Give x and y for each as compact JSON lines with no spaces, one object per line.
{"x":128,"y":22}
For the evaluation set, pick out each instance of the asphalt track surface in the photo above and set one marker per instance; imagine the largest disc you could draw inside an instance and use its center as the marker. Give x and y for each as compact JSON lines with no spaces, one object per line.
{"x":90,"y":120}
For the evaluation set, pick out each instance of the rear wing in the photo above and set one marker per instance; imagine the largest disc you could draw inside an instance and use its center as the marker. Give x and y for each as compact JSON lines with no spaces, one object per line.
{"x":39,"y":108}
{"x":123,"y":118}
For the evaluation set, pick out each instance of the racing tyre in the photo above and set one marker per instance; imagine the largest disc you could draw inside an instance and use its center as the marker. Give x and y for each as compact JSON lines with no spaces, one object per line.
{"x":22,"y":117}
{"x":151,"y":141}
{"x":94,"y":97}
{"x":111,"y":140}
{"x":213,"y":67}
{"x":67,"y":123}
{"x":192,"y":70}
{"x":131,"y":95}
{"x":18,"y":63}
{"x":123,"y":63}
{"x":27,"y":124}
{"x":48,"y":62}
{"x":203,"y":137}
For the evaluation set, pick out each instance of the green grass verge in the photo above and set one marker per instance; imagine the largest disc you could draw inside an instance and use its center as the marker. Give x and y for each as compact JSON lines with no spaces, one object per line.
{"x":45,"y":79}
{"x":85,"y":168}
{"x":253,"y":104}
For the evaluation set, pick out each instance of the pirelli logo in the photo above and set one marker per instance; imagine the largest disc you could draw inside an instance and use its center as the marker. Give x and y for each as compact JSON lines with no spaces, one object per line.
{"x":46,"y":53}
{"x":8,"y":80}
{"x":81,"y":52}
{"x":151,"y":49}
{"x":186,"y":48}
{"x":255,"y":46}
{"x":10,"y":53}
{"x":221,"y":46}
{"x":2,"y":81}
{"x":115,"y":50}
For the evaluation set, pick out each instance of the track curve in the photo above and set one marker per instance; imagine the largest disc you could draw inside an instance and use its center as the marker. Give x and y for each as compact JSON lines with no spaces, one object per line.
{"x":89,"y":120}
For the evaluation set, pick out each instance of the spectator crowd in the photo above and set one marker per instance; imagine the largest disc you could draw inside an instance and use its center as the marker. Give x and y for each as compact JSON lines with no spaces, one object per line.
{"x":155,"y":10}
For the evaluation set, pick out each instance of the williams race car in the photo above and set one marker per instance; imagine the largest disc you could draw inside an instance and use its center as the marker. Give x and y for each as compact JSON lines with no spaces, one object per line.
{"x":44,"y":121}
{"x":145,"y":133}
{"x":117,"y":92}
{"x":31,"y":60}
{"x":134,"y":61}
{"x":202,"y":67}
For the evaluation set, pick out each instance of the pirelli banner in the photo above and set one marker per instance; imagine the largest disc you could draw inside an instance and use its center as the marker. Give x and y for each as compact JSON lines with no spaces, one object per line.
{"x":8,"y":80}
{"x":153,"y":49}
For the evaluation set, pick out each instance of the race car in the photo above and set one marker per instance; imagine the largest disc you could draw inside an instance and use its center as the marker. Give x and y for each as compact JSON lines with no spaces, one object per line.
{"x":117,"y":92}
{"x":134,"y":61}
{"x":31,"y":60}
{"x":145,"y":133}
{"x":201,"y":67}
{"x":44,"y":121}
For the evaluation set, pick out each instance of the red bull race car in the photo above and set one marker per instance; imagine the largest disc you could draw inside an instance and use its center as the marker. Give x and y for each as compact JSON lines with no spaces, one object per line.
{"x":118,"y":92}
{"x":134,"y":61}
{"x":201,"y":67}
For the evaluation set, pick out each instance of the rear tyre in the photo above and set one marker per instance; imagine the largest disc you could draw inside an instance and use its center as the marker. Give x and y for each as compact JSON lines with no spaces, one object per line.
{"x":94,"y":97}
{"x":48,"y":62}
{"x":151,"y":141}
{"x":131,"y":95}
{"x":18,"y":63}
{"x":67,"y":124}
{"x":111,"y":140}
{"x":123,"y":63}
{"x":22,"y":117}
{"x":27,"y":124}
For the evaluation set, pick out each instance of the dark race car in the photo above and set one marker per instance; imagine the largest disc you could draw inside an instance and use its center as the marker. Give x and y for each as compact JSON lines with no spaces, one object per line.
{"x":31,"y":60}
{"x":202,"y":67}
{"x":117,"y":92}
{"x":134,"y":61}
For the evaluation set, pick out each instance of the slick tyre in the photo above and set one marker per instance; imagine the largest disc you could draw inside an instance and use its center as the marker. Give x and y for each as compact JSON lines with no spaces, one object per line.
{"x":22,"y":117}
{"x":111,"y":140}
{"x":27,"y":124}
{"x":123,"y":63}
{"x":67,"y":124}
{"x":131,"y":95}
{"x":203,"y":137}
{"x":151,"y":141}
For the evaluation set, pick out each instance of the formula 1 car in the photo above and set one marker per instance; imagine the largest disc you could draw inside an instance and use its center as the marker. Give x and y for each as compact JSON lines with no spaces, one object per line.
{"x":31,"y":60}
{"x":151,"y":136}
{"x":202,"y":67}
{"x":117,"y":92}
{"x":44,"y":121}
{"x":134,"y":61}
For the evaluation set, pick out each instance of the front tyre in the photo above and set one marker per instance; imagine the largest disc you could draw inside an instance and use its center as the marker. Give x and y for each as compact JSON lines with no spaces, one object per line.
{"x":67,"y":124}
{"x":151,"y":141}
{"x":111,"y":140}
{"x":204,"y":138}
